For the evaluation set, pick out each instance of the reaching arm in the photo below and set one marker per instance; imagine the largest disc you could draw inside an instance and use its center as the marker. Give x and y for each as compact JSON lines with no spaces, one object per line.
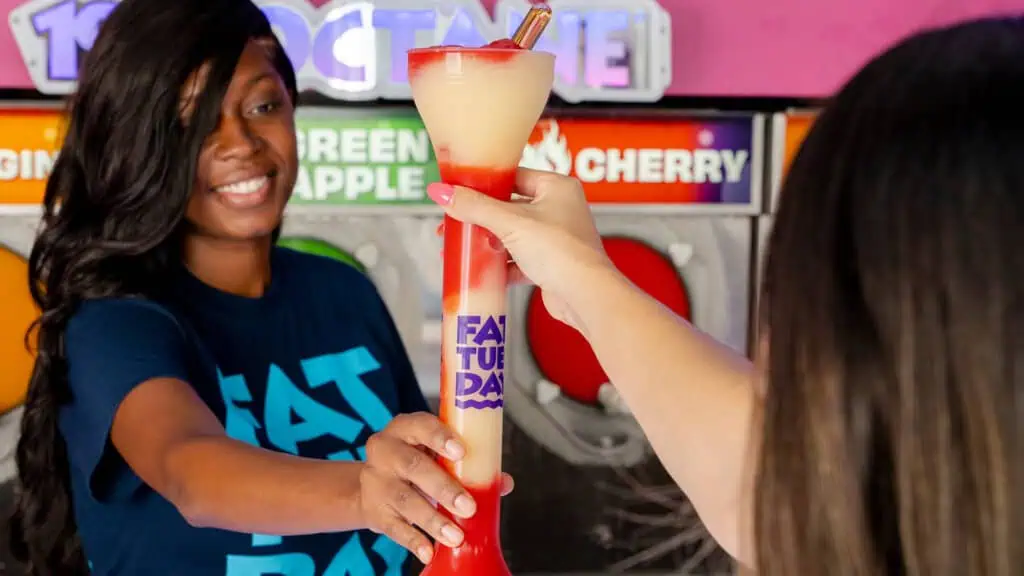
{"x":177,"y":446}
{"x":134,"y":417}
{"x":694,"y":397}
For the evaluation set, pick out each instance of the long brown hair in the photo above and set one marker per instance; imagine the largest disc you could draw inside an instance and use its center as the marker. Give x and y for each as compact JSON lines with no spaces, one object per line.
{"x":111,"y":222}
{"x":893,"y":308}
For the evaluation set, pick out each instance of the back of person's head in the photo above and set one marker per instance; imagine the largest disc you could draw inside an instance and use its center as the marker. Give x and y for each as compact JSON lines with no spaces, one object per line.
{"x":114,"y":207}
{"x":894,"y":321}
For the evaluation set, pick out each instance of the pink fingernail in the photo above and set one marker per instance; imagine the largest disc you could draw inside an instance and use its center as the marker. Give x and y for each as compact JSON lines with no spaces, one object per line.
{"x":441,"y":193}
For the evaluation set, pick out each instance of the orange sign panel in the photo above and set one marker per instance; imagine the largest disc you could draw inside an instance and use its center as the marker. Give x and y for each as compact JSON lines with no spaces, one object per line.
{"x":29,"y":142}
{"x":797,"y":127}
{"x":789,"y":133}
{"x":17,"y":312}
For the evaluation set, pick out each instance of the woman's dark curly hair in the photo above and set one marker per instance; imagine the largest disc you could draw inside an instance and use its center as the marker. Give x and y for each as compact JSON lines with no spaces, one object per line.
{"x":114,"y":210}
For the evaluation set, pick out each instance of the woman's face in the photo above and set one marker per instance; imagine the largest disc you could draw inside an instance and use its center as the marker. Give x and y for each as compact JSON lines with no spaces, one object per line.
{"x":248,"y":164}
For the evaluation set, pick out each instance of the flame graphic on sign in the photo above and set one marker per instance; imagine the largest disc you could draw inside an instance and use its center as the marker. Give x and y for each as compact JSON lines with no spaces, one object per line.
{"x":549,"y":152}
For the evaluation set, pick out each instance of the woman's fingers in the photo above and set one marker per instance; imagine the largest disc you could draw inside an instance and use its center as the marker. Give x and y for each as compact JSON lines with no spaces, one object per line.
{"x":410,"y":504}
{"x":409,"y":537}
{"x":439,"y":231}
{"x":399,"y":452}
{"x":528,"y":181}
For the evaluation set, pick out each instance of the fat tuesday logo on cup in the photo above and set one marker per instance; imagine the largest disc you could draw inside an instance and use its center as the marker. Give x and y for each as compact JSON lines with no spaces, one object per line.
{"x":665,"y":161}
{"x":479,"y":361}
{"x":29,"y":142}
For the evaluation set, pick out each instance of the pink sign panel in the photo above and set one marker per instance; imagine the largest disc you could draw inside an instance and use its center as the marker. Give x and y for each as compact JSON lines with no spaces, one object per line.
{"x":801,"y":48}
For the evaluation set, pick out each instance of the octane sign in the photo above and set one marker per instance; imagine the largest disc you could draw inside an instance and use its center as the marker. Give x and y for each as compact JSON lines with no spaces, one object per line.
{"x":355,"y":50}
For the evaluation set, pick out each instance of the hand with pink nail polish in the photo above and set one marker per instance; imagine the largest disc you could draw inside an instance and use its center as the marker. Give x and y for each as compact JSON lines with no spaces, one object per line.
{"x":549,"y":233}
{"x":401,"y":482}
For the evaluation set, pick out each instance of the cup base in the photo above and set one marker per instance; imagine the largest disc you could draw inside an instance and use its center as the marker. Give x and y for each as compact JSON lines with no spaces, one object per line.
{"x":465,"y":560}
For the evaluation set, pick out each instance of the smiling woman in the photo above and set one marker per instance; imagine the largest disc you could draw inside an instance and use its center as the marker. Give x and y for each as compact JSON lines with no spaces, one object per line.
{"x":187,"y":378}
{"x":247,"y":168}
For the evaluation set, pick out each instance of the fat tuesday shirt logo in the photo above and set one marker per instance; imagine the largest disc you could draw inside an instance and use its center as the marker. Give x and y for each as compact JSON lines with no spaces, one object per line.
{"x":291,"y":417}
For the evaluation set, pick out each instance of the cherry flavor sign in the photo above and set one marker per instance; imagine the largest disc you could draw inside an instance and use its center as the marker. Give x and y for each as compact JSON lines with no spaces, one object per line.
{"x":614,"y":50}
{"x":699,"y":164}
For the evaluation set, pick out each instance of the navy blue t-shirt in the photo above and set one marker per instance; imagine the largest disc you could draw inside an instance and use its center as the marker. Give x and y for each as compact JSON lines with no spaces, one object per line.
{"x":312,"y":368}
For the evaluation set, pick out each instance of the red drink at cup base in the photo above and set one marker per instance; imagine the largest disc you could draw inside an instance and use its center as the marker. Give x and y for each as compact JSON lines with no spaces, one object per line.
{"x":479,"y":106}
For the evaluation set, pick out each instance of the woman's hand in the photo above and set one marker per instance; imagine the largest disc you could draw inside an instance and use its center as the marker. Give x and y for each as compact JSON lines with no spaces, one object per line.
{"x":401,"y":481}
{"x":550,"y":235}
